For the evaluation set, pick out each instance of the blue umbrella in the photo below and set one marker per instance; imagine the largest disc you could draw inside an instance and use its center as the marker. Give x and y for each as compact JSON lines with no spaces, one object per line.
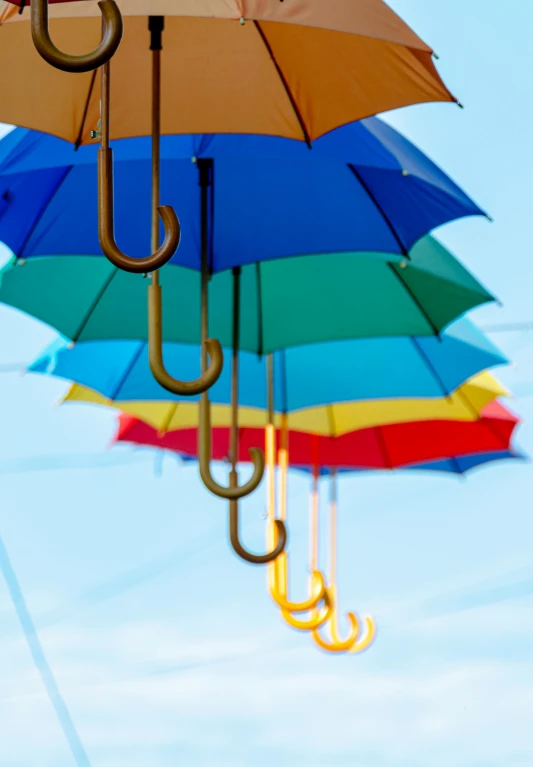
{"x":304,"y":376}
{"x":361,"y":187}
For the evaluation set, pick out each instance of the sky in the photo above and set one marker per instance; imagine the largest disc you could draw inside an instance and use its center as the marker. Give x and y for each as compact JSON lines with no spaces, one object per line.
{"x":167,"y":649}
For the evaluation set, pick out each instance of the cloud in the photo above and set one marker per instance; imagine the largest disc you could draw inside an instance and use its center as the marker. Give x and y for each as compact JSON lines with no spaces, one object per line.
{"x":158,"y":691}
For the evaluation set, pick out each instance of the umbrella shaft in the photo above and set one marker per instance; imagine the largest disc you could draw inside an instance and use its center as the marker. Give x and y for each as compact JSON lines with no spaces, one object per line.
{"x":156,"y":133}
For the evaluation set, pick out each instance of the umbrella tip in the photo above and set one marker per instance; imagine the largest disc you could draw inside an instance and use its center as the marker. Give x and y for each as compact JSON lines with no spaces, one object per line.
{"x":489,"y":218}
{"x":461,"y":106}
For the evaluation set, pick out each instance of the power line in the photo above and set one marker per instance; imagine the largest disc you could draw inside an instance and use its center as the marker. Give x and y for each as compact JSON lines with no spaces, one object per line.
{"x":41,"y":664}
{"x":508,"y":327}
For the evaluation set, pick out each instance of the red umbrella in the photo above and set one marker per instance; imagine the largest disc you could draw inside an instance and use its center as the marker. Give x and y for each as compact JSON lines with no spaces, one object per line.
{"x":384,"y":447}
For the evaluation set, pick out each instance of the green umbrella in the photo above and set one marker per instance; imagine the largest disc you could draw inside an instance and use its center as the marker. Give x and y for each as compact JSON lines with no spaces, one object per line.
{"x":284,"y":303}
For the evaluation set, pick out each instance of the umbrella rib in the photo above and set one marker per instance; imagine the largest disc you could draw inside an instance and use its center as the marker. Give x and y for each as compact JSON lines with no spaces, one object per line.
{"x":431,"y":367}
{"x":37,"y":221}
{"x":260,"y":325}
{"x":94,"y":304}
{"x":285,"y":84}
{"x":77,"y":143}
{"x":128,"y":370}
{"x":382,"y":213}
{"x":412,"y":295}
{"x":383,"y":446}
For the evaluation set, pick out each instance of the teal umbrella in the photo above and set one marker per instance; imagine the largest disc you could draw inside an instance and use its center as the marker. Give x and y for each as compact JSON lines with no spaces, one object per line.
{"x":284,"y":303}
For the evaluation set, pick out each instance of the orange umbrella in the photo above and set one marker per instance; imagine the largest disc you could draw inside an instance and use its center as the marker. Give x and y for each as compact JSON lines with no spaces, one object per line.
{"x":293,"y":69}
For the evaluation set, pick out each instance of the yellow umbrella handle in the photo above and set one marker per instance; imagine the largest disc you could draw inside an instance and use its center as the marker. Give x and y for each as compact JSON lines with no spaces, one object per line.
{"x":319,"y":617}
{"x":112,"y":29}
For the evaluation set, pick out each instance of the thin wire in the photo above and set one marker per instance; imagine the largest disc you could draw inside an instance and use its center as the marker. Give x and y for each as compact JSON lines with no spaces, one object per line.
{"x":41,"y":664}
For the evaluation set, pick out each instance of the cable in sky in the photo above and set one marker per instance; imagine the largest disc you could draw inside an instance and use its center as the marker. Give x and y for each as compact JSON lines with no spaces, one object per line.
{"x":40,"y":661}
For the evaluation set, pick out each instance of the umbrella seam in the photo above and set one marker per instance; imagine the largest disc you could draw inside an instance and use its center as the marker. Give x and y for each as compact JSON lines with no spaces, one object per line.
{"x":41,"y":213}
{"x":431,"y":368}
{"x":128,"y":370}
{"x":94,"y":304}
{"x":260,"y":324}
{"x":285,"y":84}
{"x":77,"y":143}
{"x":382,"y":213}
{"x":383,"y":445}
{"x":417,"y":302}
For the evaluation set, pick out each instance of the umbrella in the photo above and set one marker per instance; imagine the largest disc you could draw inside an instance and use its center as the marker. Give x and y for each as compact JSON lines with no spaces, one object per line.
{"x":384,"y":374}
{"x":285,"y":302}
{"x":386,"y":447}
{"x":464,"y":404}
{"x":292,"y":71}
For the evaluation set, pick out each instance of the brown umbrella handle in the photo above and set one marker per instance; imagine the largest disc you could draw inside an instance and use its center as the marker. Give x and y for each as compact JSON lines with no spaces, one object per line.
{"x":106,"y":225}
{"x":112,"y":28}
{"x":233,"y":492}
{"x":155,"y":352}
{"x":238,"y":548}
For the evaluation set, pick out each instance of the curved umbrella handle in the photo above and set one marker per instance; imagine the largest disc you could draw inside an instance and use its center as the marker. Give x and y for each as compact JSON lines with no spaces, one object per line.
{"x":253,"y":559}
{"x":277,"y":583}
{"x":112,"y":35}
{"x":233,"y":492}
{"x":106,"y":226}
{"x":338,"y":645}
{"x":367,"y":639}
{"x":155,"y":353}
{"x":318,"y":619}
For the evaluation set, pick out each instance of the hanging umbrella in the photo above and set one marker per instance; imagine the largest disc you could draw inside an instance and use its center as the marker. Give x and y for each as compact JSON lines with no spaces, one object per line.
{"x":229,"y":67}
{"x":464,"y":404}
{"x":388,"y":376}
{"x":390,"y":446}
{"x":364,"y":187}
{"x":285,"y":302}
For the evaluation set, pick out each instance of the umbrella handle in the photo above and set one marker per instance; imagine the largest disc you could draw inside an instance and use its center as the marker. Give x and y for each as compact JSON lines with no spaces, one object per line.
{"x":352,"y":643}
{"x":318,"y":619}
{"x":238,"y":548}
{"x":278,"y":585}
{"x":111,"y":37}
{"x":106,"y":225}
{"x":155,"y":353}
{"x":233,"y":492}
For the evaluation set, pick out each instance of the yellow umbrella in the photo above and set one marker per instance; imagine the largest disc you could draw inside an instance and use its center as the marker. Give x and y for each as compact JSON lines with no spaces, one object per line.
{"x":464,"y":404}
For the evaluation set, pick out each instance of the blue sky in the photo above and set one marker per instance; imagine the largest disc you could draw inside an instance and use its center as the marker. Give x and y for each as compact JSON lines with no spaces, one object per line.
{"x":166,"y":647}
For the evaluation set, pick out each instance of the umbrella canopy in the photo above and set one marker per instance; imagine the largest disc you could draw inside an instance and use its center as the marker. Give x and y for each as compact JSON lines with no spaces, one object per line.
{"x":385,"y":447}
{"x":283,"y":303}
{"x":305,"y":376}
{"x":364,"y":187}
{"x":294,"y":70}
{"x":464,"y":404}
